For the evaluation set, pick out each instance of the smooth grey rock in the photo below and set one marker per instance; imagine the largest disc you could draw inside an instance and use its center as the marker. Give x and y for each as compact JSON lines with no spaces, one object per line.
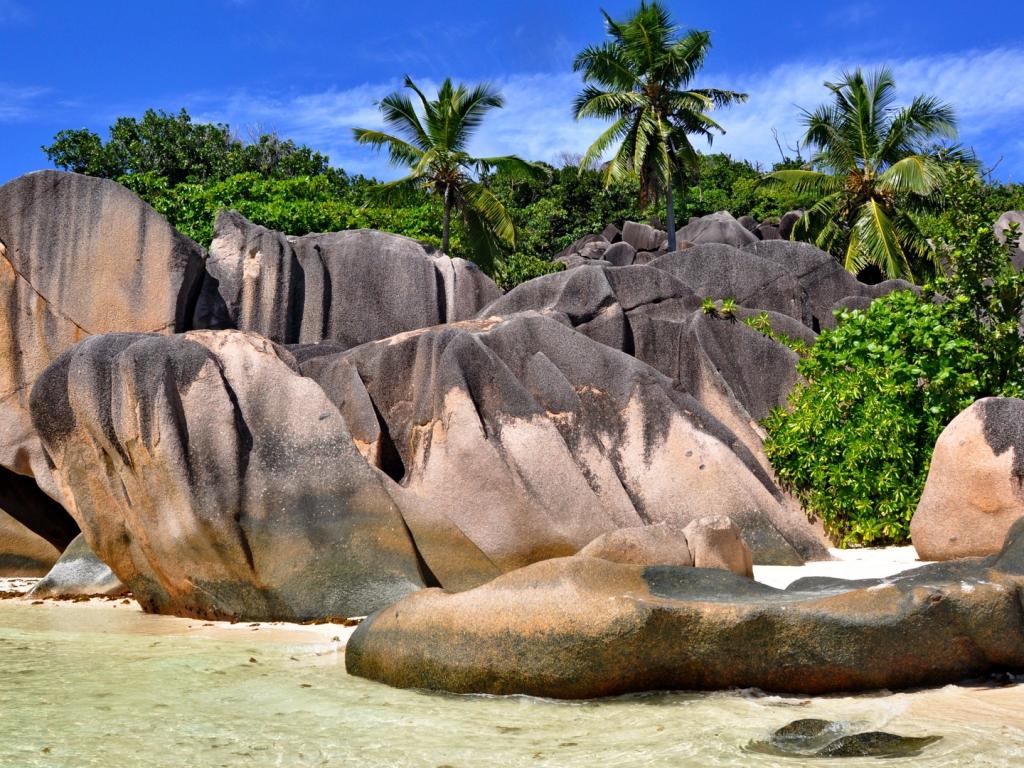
{"x":719,"y":271}
{"x":620,"y":255}
{"x":347,"y":287}
{"x":718,"y":227}
{"x":787,"y":222}
{"x":79,"y":572}
{"x":78,"y":256}
{"x":643,"y":237}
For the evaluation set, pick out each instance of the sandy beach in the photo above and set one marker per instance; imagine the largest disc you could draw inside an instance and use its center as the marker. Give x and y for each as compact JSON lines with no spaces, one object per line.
{"x":848,"y":564}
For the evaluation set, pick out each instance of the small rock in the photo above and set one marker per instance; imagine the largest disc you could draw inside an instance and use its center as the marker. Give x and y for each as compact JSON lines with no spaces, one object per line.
{"x":876,"y":744}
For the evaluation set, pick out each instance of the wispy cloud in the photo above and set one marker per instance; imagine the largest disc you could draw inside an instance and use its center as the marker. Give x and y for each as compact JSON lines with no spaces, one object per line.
{"x":983,"y":86}
{"x":19,"y":103}
{"x":537,"y":122}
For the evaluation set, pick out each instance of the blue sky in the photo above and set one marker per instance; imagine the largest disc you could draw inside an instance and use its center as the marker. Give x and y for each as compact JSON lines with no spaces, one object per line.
{"x":312,"y":70}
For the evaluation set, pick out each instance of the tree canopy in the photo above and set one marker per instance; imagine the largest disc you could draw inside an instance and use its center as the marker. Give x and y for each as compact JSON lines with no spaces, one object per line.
{"x":873,"y":165}
{"x":640,"y":79}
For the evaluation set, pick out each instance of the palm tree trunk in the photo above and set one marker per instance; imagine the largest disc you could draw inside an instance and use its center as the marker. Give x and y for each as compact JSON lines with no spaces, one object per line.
{"x":670,"y":222}
{"x":446,"y":229}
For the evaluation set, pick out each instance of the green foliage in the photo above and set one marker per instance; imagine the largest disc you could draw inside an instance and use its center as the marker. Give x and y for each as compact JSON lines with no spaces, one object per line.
{"x":179,"y":150}
{"x":871,"y":169}
{"x":709,"y":307}
{"x":762,"y":323}
{"x":297,"y":206}
{"x":856,"y":441}
{"x":520,"y":267}
{"x":641,"y":79}
{"x":432,"y":145}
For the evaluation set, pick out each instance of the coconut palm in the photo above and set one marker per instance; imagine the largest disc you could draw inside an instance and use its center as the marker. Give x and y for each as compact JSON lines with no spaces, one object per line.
{"x":433,"y":147}
{"x":640,"y":79}
{"x":871,"y":166}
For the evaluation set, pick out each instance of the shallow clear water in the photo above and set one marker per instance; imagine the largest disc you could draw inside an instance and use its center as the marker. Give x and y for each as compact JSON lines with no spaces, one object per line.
{"x":85,"y":685}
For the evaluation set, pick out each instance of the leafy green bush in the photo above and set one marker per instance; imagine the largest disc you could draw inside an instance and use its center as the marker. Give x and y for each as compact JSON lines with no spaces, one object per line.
{"x":856,"y":441}
{"x":520,"y":267}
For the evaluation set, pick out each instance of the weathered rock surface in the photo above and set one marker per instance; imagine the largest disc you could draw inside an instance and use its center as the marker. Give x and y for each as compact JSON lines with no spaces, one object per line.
{"x":22,"y":552}
{"x":216,"y":481}
{"x":735,"y":372}
{"x":660,"y":544}
{"x":825,"y":285}
{"x":1002,"y":227}
{"x":584,"y":627}
{"x":643,"y":237}
{"x":716,"y":542}
{"x":788,"y":222}
{"x":718,"y":227}
{"x":824,"y":738}
{"x":346,"y":287}
{"x":559,"y":438}
{"x":975,"y":486}
{"x":79,"y":572}
{"x":78,"y":256}
{"x":718,"y":271}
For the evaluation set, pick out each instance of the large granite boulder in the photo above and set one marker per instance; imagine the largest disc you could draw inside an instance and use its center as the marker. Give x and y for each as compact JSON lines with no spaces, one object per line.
{"x":78,"y":256}
{"x":22,"y":552}
{"x":579,"y":627}
{"x":717,"y":271}
{"x":735,"y":372}
{"x":1002,"y":228}
{"x":825,"y":285}
{"x":218,"y":482}
{"x":79,"y":573}
{"x":718,"y":227}
{"x":660,"y":544}
{"x":559,"y":438}
{"x":347,"y":287}
{"x":643,"y":237}
{"x":975,"y":486}
{"x":788,"y":222}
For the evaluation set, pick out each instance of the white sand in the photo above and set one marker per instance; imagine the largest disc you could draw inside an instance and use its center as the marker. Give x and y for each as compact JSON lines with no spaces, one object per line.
{"x":336,"y":635}
{"x":848,"y":564}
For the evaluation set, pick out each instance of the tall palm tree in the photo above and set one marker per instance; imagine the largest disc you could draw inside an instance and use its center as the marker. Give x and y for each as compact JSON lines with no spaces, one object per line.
{"x":871,"y":166}
{"x":433,"y":147}
{"x":640,"y":79}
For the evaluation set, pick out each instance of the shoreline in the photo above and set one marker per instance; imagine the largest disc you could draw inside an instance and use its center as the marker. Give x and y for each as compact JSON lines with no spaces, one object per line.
{"x":852,"y":564}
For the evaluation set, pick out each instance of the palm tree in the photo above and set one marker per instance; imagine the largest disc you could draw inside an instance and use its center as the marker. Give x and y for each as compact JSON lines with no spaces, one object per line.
{"x":433,"y":147}
{"x":640,"y":79}
{"x":870,"y":167}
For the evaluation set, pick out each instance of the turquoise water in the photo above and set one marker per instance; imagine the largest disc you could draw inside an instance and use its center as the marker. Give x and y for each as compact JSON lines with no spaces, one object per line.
{"x":86,"y":685}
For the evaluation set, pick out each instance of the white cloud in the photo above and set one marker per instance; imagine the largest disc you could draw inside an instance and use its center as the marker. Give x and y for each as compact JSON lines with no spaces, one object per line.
{"x":18,"y":102}
{"x":983,"y":86}
{"x":537,"y":122}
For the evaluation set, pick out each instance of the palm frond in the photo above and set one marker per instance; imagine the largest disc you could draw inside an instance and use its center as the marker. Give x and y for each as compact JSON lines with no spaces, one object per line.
{"x":804,"y":181}
{"x":595,"y":151}
{"x":878,"y":243}
{"x":915,"y":175}
{"x":399,"y":152}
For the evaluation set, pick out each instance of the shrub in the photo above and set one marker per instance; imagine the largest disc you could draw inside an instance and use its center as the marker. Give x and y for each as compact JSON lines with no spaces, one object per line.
{"x":856,"y":441}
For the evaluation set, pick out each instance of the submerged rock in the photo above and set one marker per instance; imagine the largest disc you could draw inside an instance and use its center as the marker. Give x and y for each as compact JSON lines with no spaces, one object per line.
{"x":975,"y":486}
{"x":79,"y":572}
{"x":585,"y":627}
{"x":876,"y":744}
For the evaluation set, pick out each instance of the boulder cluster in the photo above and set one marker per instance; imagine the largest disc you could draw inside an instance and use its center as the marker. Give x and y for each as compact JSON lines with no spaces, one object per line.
{"x":297,"y":428}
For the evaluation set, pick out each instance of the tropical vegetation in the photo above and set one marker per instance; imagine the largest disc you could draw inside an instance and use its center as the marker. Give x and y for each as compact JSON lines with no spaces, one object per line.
{"x":874,"y":165}
{"x":641,"y":80}
{"x":856,"y":441}
{"x":434,"y":148}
